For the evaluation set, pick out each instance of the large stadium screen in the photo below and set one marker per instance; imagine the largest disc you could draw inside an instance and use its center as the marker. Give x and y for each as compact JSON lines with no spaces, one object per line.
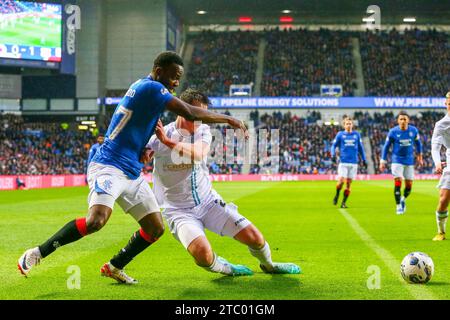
{"x":30,"y":30}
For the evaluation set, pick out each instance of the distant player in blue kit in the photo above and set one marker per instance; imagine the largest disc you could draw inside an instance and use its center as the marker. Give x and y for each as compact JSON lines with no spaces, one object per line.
{"x":95,"y":147}
{"x":114,"y":173}
{"x":403,"y":138}
{"x":350,"y":145}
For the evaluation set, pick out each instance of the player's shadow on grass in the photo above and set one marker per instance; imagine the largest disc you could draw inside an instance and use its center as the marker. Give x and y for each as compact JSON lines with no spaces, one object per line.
{"x":284,"y":279}
{"x":253,"y":287}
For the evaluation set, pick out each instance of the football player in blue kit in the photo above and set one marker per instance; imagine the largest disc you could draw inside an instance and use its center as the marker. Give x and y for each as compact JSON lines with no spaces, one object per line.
{"x":403,"y":138}
{"x":95,"y":147}
{"x":114,"y":174}
{"x":350,"y":146}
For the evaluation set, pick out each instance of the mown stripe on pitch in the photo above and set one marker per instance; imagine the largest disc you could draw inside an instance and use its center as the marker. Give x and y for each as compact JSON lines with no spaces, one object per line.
{"x":419,"y":292}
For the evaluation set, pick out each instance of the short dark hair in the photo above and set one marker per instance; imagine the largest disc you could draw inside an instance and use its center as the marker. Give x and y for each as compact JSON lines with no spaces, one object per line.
{"x":402,"y":113}
{"x":190,"y":95}
{"x":166,"y":58}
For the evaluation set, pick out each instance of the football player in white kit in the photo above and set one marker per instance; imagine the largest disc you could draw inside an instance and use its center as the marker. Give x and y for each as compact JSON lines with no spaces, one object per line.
{"x":441,"y":137}
{"x":184,"y":191}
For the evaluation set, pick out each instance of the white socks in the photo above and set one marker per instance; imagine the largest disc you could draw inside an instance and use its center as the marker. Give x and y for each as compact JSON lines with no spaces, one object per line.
{"x":219,"y":265}
{"x":263,"y":255}
{"x":441,"y":220}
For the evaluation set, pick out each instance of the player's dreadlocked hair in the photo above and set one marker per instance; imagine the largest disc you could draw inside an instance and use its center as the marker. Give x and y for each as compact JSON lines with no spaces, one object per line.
{"x":190,"y":95}
{"x":166,"y":58}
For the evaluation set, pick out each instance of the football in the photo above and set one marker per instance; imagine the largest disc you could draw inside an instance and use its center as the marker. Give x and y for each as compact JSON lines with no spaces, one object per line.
{"x":417,"y":267}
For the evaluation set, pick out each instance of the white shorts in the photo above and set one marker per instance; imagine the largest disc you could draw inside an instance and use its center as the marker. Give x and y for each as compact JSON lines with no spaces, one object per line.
{"x":347,"y":170}
{"x":402,"y":171}
{"x":444,"y":182}
{"x":108,"y":184}
{"x":213,"y":214}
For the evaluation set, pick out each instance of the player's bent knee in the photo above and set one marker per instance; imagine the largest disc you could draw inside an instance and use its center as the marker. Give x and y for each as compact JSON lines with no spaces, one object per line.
{"x":94,"y":225}
{"x":159,"y":231}
{"x":204,"y":257}
{"x":97,"y":218}
{"x":202,"y":254}
{"x":252,"y":237}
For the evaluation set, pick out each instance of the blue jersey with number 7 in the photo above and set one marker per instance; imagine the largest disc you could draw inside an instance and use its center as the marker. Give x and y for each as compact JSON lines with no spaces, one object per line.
{"x":132,"y":125}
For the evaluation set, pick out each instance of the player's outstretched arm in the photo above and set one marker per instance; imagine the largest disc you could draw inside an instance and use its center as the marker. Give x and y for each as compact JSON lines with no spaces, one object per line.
{"x":193,"y":113}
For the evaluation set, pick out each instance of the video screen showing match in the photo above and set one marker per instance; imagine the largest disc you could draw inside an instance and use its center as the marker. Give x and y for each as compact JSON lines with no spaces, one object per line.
{"x":30,"y":30}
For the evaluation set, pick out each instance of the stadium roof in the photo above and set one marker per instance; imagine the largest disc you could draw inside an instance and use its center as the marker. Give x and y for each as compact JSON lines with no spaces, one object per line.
{"x":310,"y":11}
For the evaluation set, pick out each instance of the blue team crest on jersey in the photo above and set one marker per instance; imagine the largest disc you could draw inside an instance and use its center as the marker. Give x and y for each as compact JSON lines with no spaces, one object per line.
{"x":107,"y":184}
{"x":164,"y":91}
{"x":411,"y":134}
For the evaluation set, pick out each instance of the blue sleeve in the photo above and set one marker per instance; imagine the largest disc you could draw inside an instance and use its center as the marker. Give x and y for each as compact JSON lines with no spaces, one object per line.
{"x":159,"y":94}
{"x":386,"y":146}
{"x":335,"y":144}
{"x":91,"y":154}
{"x":361,"y":148}
{"x":418,"y":143}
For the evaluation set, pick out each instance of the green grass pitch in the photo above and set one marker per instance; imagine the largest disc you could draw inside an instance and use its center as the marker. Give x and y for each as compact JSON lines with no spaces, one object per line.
{"x":26,"y":32}
{"x":335,"y":249}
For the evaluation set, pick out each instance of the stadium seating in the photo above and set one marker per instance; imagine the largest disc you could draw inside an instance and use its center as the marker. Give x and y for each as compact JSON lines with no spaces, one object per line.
{"x":41,"y":148}
{"x":305,"y":146}
{"x":221,"y":59}
{"x":413,"y":63}
{"x":297,"y":62}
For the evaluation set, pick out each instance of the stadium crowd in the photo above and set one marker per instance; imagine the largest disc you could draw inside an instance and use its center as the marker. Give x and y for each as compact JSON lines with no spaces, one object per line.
{"x":297,"y":62}
{"x":304,"y":144}
{"x":221,"y":59}
{"x":9,"y":6}
{"x":41,"y":148}
{"x":413,"y":63}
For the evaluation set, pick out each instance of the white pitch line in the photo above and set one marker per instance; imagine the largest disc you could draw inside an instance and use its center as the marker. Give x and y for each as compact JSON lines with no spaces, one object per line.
{"x":419,"y":292}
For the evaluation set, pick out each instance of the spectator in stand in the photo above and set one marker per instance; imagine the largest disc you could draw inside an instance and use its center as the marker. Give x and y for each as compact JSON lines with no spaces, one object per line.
{"x":221,"y":59}
{"x":413,"y":63}
{"x":40,"y":148}
{"x":297,"y":62}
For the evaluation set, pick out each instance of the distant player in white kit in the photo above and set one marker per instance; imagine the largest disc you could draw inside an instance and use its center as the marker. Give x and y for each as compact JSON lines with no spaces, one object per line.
{"x":184,"y":190}
{"x":441,"y":137}
{"x":350,"y":145}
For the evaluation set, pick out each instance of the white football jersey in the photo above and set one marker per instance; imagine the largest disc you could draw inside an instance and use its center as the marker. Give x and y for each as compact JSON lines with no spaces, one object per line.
{"x":441,"y":137}
{"x":177,"y":182}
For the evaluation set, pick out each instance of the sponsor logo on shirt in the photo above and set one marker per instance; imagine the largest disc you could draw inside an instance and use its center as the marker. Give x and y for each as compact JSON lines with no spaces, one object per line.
{"x":405,"y":142}
{"x":178,"y":167}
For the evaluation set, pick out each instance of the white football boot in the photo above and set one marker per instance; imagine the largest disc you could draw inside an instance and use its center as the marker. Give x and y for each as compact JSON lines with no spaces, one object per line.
{"x":28,"y":260}
{"x":108,"y":270}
